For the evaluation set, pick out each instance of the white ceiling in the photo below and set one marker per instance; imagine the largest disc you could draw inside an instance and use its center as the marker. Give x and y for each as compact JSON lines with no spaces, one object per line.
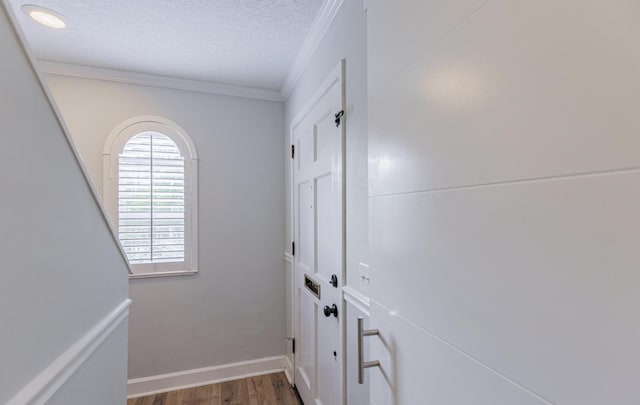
{"x":238,"y":42}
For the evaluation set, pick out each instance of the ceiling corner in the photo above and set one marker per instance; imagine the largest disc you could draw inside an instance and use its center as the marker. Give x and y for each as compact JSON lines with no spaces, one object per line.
{"x":319,"y":28}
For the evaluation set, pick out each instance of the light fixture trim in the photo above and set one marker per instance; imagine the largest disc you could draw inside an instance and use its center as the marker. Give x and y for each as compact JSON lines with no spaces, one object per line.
{"x":44,"y":16}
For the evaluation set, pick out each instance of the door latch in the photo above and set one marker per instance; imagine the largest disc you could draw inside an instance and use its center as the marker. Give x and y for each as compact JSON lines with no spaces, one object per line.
{"x":334,"y":280}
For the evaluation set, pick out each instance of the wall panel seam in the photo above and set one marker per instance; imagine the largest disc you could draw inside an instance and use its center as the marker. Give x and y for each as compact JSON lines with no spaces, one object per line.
{"x":562,"y":177}
{"x":465,"y":354}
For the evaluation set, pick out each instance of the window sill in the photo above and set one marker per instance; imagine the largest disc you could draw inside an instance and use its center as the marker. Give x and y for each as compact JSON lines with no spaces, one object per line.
{"x":163,"y":274}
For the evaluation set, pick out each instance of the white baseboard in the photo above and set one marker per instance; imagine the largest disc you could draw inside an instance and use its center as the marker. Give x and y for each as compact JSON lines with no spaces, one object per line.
{"x":49,"y":381}
{"x":139,"y":387}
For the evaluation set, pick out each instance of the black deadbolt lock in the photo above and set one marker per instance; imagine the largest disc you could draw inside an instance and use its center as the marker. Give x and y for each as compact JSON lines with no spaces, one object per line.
{"x":331,"y":310}
{"x":334,"y":280}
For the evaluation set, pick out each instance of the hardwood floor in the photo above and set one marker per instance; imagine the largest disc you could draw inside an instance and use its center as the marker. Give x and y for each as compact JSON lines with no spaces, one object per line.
{"x":270,"y":389}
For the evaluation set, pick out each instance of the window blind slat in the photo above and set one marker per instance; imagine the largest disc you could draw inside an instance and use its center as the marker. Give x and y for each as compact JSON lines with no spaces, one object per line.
{"x":151,"y":201}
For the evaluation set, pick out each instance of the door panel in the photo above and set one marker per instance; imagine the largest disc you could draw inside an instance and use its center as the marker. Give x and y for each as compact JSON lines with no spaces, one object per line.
{"x":306,"y":353}
{"x":318,"y":231}
{"x":305,"y":145}
{"x":327,"y":147}
{"x":305,"y":257}
{"x":328,"y":229}
{"x":329,"y":387}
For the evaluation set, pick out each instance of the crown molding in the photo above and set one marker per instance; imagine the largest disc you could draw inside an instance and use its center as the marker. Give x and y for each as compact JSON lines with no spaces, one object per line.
{"x":311,"y":42}
{"x":318,"y":29}
{"x":145,"y":79}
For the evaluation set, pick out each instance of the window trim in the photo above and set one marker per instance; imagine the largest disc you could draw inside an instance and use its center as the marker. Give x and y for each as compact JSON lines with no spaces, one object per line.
{"x":114,"y":145}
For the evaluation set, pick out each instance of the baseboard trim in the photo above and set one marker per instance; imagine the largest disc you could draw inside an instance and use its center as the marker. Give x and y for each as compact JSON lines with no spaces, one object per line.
{"x":49,"y":381}
{"x":139,"y":387}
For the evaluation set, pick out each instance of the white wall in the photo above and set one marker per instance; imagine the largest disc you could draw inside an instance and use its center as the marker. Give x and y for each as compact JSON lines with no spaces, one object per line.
{"x":505,"y":147}
{"x":62,"y":271}
{"x":345,"y":39}
{"x":234,"y":309}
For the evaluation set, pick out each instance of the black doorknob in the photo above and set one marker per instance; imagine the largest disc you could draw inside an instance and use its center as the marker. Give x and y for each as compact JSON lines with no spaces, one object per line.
{"x":333,"y":309}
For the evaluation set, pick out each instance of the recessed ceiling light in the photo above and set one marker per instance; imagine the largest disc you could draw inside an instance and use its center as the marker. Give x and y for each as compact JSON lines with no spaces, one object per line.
{"x":44,"y":16}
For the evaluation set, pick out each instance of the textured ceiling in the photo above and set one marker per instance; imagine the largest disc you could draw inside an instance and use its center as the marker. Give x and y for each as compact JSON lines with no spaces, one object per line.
{"x":239,"y":42}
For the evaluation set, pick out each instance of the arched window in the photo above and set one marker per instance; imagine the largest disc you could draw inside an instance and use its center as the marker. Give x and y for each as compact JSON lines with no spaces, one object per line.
{"x":150,"y":190}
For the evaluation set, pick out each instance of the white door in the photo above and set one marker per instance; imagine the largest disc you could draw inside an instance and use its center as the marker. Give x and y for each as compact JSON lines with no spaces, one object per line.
{"x":318,"y":230}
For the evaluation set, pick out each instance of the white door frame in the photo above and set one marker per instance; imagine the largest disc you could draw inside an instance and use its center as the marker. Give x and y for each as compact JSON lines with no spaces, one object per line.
{"x":337,"y":74}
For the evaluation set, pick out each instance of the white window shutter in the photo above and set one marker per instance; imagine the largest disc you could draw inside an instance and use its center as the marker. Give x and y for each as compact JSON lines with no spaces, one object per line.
{"x":151,"y":200}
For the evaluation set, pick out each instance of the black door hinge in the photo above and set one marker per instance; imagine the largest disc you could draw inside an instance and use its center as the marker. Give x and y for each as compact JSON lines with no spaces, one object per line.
{"x":338,"y":117}
{"x":293,"y":248}
{"x":293,"y":151}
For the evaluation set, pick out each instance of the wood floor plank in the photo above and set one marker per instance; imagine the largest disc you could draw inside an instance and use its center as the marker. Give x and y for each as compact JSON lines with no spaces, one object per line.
{"x":267,"y":388}
{"x":200,"y":396}
{"x":252,"y":392}
{"x":159,"y":399}
{"x":173,"y":398}
{"x":188,"y":396}
{"x":284,"y":393}
{"x":271,"y":389}
{"x":235,"y":392}
{"x":216,"y":394}
{"x":148,"y":400}
{"x":260,"y":391}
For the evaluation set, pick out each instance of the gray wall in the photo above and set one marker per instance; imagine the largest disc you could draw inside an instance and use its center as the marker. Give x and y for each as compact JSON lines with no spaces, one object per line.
{"x":62,"y":270}
{"x":95,"y":381}
{"x":234,"y":309}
